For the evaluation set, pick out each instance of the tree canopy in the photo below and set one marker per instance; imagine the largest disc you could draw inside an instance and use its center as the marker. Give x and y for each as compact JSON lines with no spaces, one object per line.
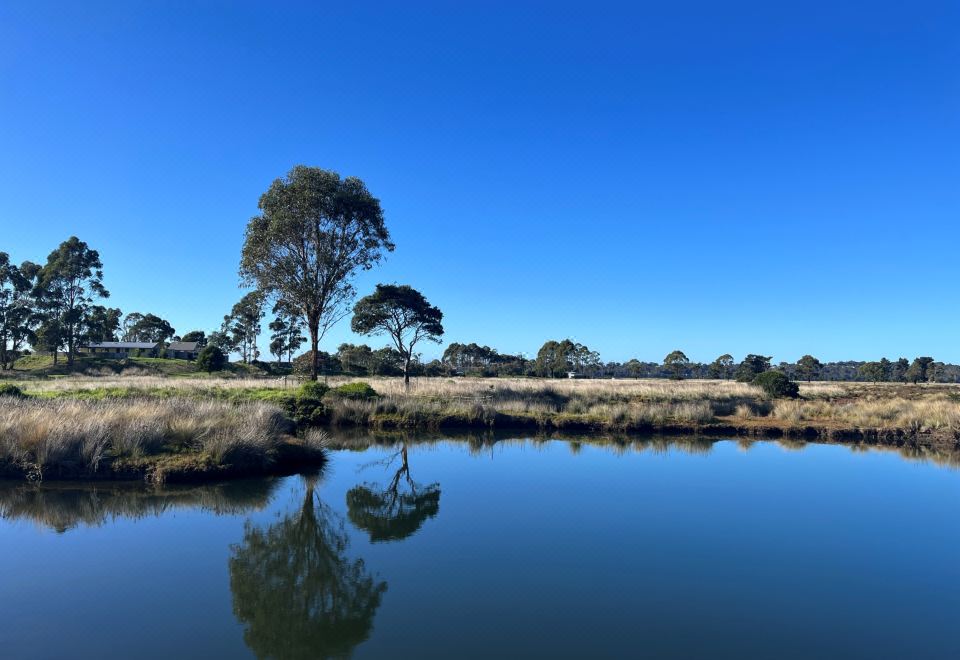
{"x":676,"y":362}
{"x":402,"y":313}
{"x":67,"y":285}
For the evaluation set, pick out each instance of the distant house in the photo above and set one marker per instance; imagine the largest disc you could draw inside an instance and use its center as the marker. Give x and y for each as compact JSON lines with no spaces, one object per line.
{"x":123,"y":349}
{"x":183,"y":350}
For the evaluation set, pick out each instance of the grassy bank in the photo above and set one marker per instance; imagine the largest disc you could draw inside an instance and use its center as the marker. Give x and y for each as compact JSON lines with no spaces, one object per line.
{"x":897,"y":415}
{"x":174,"y":439}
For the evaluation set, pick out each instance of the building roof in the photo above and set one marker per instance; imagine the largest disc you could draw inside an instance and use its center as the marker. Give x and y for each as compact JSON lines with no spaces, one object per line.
{"x":123,"y":344}
{"x":188,"y":346}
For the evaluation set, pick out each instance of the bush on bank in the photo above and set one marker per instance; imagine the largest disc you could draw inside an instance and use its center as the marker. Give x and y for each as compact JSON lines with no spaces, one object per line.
{"x":776,"y":384}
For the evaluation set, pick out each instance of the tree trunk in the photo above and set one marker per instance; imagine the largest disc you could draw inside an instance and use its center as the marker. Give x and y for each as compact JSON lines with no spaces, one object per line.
{"x":406,"y":373}
{"x":314,"y":349}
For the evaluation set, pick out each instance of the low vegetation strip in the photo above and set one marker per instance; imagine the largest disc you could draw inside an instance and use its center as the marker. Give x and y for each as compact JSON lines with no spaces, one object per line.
{"x":177,"y":429}
{"x":174,"y":439}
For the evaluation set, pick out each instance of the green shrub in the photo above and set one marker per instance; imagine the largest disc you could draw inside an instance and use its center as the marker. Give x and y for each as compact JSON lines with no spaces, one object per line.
{"x":8,"y":389}
{"x":211,"y":359}
{"x":313,"y":389}
{"x":776,"y":384}
{"x":359,"y":390}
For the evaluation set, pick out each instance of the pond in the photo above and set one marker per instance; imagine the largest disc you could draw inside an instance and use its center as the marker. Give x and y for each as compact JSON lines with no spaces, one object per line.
{"x":448,"y":548}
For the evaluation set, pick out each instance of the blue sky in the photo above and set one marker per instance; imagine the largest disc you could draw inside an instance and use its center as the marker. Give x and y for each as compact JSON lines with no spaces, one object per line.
{"x":778,"y":178}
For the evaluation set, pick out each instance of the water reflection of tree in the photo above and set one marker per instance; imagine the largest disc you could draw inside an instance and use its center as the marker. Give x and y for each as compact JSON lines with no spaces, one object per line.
{"x":64,"y":506}
{"x":295,"y":589}
{"x":397,"y":511}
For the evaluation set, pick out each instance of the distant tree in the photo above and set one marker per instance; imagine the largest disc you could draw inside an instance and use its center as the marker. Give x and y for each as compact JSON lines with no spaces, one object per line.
{"x":198,"y":336}
{"x":242,"y":325}
{"x":402,"y":313}
{"x":314,"y":231}
{"x":221,"y":340}
{"x":355,"y":359}
{"x":68,"y":283}
{"x":130,"y":321}
{"x":556,"y":358}
{"x":808,"y":367}
{"x":634,"y":368}
{"x":101,"y":324}
{"x":326,"y":363}
{"x":211,"y":359}
{"x":549,"y":357}
{"x":146,"y":328}
{"x":872,"y":371}
{"x":286,"y":332}
{"x":917,"y":372}
{"x":722,"y":367}
{"x":886,"y":368}
{"x":898,"y":371}
{"x":752,"y":366}
{"x":676,"y":362}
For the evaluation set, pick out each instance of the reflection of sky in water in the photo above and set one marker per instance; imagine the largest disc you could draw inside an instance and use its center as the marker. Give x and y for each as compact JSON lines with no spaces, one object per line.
{"x":548,"y":548}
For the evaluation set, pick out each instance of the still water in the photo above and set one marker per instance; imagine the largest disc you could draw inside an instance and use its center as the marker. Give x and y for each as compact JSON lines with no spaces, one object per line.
{"x":448,"y":549}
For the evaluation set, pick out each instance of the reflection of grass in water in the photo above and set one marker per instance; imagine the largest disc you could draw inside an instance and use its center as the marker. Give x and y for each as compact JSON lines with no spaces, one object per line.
{"x":620,"y":444}
{"x":62,"y":507}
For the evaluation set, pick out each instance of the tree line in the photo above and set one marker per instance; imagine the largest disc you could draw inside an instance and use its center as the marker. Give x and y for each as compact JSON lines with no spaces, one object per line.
{"x":314,"y":232}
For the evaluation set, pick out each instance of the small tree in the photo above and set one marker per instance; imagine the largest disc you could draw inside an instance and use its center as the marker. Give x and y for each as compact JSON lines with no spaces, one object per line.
{"x":286,"y":332}
{"x":242,"y":325}
{"x":808,"y":367}
{"x":402,"y":313}
{"x":211,"y":359}
{"x":676,"y":362}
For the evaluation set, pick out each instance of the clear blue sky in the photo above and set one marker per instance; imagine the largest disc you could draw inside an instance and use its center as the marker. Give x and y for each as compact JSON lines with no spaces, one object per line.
{"x":768,"y":177}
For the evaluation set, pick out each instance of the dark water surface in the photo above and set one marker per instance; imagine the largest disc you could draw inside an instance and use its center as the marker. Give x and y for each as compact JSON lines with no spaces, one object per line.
{"x":513,"y":550}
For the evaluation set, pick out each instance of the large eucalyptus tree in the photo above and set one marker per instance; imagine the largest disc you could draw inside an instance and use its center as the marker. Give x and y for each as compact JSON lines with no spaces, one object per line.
{"x":314,"y":232}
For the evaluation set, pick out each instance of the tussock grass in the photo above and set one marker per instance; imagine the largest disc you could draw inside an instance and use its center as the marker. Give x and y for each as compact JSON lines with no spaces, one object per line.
{"x":38,"y":435}
{"x":937,"y":413}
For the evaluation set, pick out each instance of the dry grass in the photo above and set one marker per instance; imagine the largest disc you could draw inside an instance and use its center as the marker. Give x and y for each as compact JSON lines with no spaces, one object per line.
{"x":614,"y":404}
{"x":38,"y":434}
{"x":935,"y":413}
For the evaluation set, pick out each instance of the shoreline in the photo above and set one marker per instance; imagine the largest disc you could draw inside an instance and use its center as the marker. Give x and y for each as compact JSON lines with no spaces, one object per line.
{"x":173,"y":468}
{"x":157,"y":430}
